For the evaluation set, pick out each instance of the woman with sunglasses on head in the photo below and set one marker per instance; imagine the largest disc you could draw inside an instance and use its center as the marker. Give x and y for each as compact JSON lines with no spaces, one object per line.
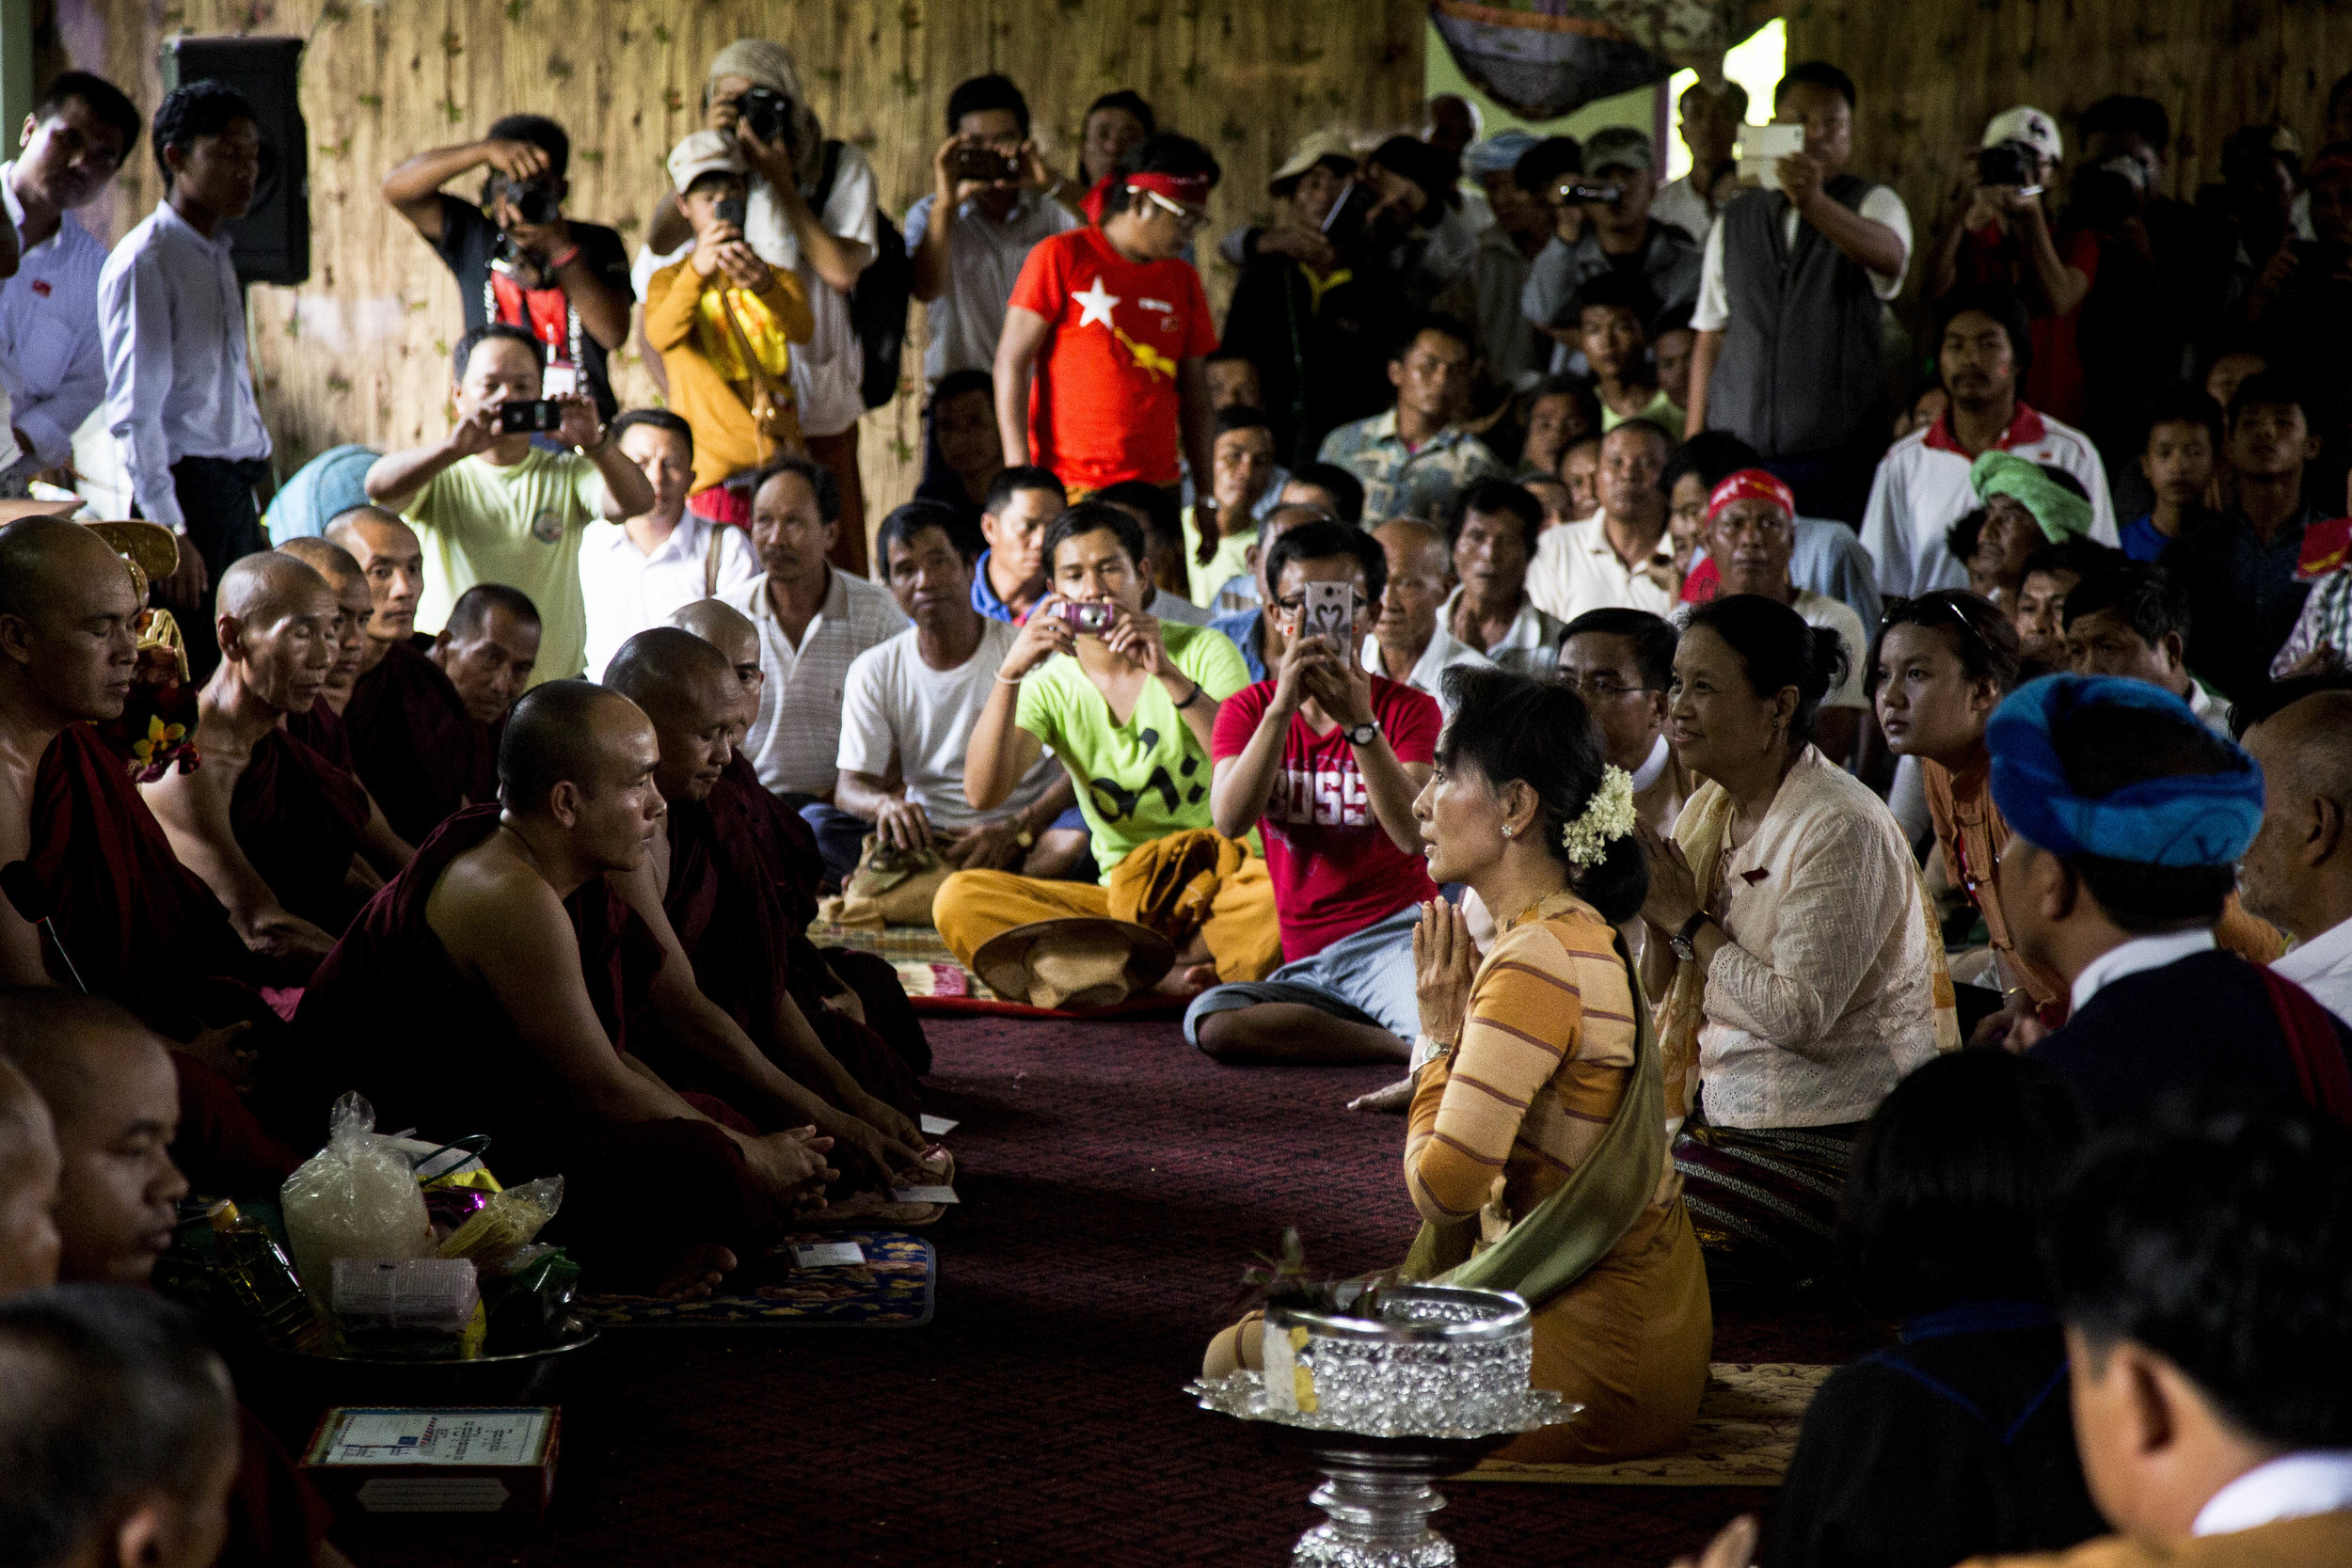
{"x":1538,"y":1122}
{"x":1791,"y":938}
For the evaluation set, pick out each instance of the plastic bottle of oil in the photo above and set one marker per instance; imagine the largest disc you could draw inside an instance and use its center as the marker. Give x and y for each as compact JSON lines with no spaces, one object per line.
{"x":254,"y":1267}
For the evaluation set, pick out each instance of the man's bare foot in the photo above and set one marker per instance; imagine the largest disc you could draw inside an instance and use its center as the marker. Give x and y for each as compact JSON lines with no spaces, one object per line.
{"x":1187,"y":979}
{"x":1393,"y":1101}
{"x":694,"y":1273}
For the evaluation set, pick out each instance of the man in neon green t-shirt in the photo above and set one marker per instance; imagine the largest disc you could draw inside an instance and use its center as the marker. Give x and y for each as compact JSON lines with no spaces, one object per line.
{"x":489,"y":506}
{"x":1128,"y":707}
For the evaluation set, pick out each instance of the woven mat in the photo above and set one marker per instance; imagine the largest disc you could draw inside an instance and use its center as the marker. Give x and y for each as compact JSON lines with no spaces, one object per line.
{"x":892,"y":1288}
{"x":939,"y":986}
{"x":1747,"y":1428}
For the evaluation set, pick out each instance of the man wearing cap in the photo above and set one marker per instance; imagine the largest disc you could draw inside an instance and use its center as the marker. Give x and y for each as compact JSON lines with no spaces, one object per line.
{"x":2000,"y":232}
{"x":966,"y":239}
{"x":2127,"y":817}
{"x":1507,"y":248}
{"x":1710,"y":129}
{"x":1751,"y":534}
{"x":1792,"y":353}
{"x":725,"y":322}
{"x":1616,"y":158}
{"x":1310,"y":306}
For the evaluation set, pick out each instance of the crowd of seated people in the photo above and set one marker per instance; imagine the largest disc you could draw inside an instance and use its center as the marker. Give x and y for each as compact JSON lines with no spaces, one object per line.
{"x":1778,"y":848}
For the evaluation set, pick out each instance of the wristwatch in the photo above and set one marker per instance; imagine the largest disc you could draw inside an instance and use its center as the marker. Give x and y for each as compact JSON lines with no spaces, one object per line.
{"x":1685,"y":941}
{"x":1364,"y":733}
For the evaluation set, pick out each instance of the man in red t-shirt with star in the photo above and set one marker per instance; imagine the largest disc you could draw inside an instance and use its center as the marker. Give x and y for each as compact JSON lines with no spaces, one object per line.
{"x":1099,"y":368}
{"x":1326,"y":759}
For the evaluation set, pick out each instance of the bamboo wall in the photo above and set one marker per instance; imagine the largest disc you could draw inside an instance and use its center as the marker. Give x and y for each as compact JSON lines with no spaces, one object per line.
{"x":1931,"y":73}
{"x":360,"y":353}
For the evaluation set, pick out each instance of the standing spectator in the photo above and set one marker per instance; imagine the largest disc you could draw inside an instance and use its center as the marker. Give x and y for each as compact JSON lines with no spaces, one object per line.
{"x":1409,"y":642}
{"x":728,"y":327}
{"x":2301,"y":304}
{"x":635,"y":571}
{"x":1099,"y":373}
{"x":1751,"y":534}
{"x":490,"y":506}
{"x":2001,"y":232}
{"x":811,"y":212}
{"x":2251,"y":209}
{"x":53,"y":365}
{"x":1710,"y":128}
{"x":1241,"y":480}
{"x":2179,"y":459}
{"x":1416,"y":219}
{"x":2128,"y":137}
{"x":1492,"y":535}
{"x":2240,"y":571}
{"x":1311,"y":308}
{"x":1515,"y":355}
{"x":517,"y":257}
{"x":1923,"y":486}
{"x":1115,"y":124}
{"x":814,"y":620}
{"x":1612,"y":332}
{"x":968,"y":238}
{"x":961,"y":455}
{"x":1827,"y":559}
{"x":178,"y":391}
{"x":1620,"y":556}
{"x":1009,"y":578}
{"x":1792,"y":353}
{"x":1617,"y":236}
{"x":1414,"y":459}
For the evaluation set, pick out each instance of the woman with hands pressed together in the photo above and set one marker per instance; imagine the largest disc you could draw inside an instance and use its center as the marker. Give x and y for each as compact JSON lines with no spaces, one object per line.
{"x":1538,"y":1147}
{"x":1791,"y":941}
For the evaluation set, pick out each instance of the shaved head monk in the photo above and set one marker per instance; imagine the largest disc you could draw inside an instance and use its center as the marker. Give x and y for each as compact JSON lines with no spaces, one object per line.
{"x":498,"y":986}
{"x":414,"y":743}
{"x":488,"y":648}
{"x":834,"y":985}
{"x":107,"y":1084}
{"x":723,"y":907}
{"x":354,"y":604}
{"x":289,"y":842}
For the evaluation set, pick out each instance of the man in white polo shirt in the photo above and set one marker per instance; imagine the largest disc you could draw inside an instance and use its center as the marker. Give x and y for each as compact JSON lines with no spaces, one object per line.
{"x":1619,"y":558}
{"x":812,"y":622}
{"x":634,"y":573}
{"x":1922,"y":488}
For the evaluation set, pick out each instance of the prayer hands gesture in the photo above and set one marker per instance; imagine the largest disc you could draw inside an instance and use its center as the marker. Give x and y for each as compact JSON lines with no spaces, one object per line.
{"x":1042,"y":635}
{"x":1673,"y":891}
{"x":903,"y":824}
{"x":1444,"y":962}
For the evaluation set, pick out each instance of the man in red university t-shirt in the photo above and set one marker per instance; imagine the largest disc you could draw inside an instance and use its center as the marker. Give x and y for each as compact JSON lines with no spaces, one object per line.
{"x":1326,"y":759}
{"x":1099,"y":368}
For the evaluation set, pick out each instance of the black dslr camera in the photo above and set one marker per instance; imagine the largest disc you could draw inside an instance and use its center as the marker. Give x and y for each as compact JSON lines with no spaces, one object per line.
{"x":766,"y":113}
{"x":2009,"y":162}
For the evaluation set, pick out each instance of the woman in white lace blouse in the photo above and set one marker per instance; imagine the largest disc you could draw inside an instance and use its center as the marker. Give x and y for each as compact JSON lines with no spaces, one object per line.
{"x":1799,"y":973}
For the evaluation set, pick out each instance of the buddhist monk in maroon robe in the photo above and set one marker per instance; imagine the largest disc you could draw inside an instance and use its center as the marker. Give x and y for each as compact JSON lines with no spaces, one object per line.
{"x":721,"y":906}
{"x":499,"y":982}
{"x":834,"y":985}
{"x":321,"y":728}
{"x":124,"y":918}
{"x":414,"y":744}
{"x":284,"y":838}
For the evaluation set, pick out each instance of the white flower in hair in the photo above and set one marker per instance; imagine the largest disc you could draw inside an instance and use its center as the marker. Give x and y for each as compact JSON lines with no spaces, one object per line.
{"x":1607,"y":818}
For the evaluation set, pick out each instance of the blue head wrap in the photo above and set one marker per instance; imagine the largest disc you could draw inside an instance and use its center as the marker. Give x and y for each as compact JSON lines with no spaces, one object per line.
{"x":2182,"y":819}
{"x":1499,"y":153}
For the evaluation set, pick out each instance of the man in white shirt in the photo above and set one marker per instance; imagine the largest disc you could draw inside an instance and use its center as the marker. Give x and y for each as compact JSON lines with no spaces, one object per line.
{"x":179,"y":395}
{"x":1620,"y":556}
{"x":908,"y":712}
{"x":966,"y":240}
{"x":1791,"y":355}
{"x":1983,"y":345}
{"x":813,"y":621}
{"x":634,"y":573}
{"x":1410,"y":641}
{"x":53,"y":366}
{"x":1711,"y":127}
{"x":2298,"y":874}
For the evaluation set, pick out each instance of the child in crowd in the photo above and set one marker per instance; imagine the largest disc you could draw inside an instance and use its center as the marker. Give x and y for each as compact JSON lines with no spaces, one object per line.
{"x":1612,"y":328}
{"x":2178,"y":459}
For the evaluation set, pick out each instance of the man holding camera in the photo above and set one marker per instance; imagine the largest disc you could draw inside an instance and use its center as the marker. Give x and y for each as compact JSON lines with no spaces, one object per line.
{"x":517,"y":260}
{"x":490,"y":506}
{"x":1621,"y":174}
{"x":2000,"y":232}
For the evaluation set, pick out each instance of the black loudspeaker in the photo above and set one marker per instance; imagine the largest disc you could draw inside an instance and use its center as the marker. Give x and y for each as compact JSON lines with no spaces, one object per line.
{"x":272,"y":242}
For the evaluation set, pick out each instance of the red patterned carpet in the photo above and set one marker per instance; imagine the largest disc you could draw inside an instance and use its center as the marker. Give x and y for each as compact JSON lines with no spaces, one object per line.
{"x":1114,"y":1185}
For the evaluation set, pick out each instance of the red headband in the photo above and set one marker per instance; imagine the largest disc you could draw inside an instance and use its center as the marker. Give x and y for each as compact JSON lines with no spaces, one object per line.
{"x":1752,"y":484}
{"x":1190,"y":189}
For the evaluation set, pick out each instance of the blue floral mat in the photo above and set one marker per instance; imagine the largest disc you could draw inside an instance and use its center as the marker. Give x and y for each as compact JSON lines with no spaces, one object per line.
{"x":892,"y":1288}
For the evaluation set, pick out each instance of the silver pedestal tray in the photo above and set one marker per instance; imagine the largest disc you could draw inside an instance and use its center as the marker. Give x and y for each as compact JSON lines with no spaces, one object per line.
{"x":1379,"y":1491}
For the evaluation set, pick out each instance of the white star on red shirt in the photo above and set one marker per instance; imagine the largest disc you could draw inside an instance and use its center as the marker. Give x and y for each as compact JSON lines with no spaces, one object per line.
{"x":1094,"y":304}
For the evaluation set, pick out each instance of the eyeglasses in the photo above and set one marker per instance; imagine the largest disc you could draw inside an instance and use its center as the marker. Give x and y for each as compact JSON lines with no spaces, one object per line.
{"x":1188,"y":219}
{"x":1600,"y":688}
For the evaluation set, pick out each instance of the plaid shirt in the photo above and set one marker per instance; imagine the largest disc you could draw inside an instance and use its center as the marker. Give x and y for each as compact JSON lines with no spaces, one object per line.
{"x":2325,"y":623}
{"x":1401,"y":481}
